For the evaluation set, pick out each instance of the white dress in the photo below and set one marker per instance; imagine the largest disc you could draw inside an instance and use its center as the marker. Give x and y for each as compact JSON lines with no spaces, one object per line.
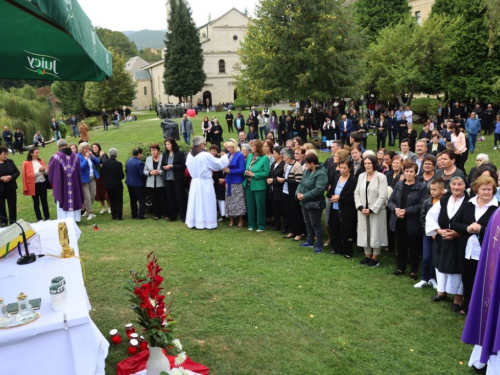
{"x":201,"y":210}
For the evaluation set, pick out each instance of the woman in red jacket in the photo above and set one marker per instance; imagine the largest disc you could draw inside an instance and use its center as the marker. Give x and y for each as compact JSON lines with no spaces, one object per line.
{"x":35,"y":182}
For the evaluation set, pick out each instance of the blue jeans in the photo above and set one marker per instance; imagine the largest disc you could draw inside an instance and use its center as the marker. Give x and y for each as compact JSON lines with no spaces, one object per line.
{"x":472,"y":142}
{"x":57,"y":135}
{"x":187,"y":137}
{"x":428,"y":270}
{"x":262,"y":132}
{"x":76,"y":132}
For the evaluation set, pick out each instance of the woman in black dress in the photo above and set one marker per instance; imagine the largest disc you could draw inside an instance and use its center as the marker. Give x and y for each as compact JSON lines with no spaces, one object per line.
{"x":216,"y":133}
{"x":276,"y":188}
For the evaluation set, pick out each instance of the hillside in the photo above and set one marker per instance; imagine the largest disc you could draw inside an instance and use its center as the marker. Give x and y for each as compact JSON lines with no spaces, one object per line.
{"x":147,"y":38}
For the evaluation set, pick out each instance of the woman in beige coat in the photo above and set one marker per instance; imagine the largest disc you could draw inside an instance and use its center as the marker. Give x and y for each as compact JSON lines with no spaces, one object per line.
{"x":370,"y":198}
{"x":84,"y":132}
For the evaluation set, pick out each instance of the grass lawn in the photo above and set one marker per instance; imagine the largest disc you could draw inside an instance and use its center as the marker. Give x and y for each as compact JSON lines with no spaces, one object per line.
{"x":255,"y":303}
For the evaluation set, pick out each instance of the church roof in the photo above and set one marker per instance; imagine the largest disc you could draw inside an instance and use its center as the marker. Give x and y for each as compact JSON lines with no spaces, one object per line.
{"x":135,"y":63}
{"x":141,"y":75}
{"x":218,"y":18}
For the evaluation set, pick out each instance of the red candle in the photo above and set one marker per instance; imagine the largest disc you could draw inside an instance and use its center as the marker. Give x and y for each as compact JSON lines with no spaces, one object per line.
{"x":143,"y":343}
{"x":115,"y":337}
{"x":134,"y":336}
{"x":129,"y":328}
{"x":133,"y":347}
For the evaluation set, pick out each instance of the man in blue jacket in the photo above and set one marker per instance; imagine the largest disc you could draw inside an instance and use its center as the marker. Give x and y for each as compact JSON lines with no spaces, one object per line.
{"x":136,"y":183}
{"x":473,"y":127}
{"x":346,"y":129}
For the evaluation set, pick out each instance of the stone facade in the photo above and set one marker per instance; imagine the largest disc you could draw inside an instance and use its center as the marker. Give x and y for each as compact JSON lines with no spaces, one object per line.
{"x":220,"y":40}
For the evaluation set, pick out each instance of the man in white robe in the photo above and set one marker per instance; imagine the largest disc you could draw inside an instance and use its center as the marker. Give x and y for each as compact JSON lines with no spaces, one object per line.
{"x":202,"y":210}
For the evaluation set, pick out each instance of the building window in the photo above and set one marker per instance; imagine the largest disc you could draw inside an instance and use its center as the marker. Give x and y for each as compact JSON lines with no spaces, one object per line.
{"x":145,"y":91}
{"x":222,"y":66}
{"x":417,"y":16}
{"x":235,"y":37}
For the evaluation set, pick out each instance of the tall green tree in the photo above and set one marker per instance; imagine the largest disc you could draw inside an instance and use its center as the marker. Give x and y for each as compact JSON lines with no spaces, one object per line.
{"x":298,"y":49}
{"x":472,"y":69}
{"x":400,"y":56}
{"x":70,"y":95}
{"x":374,"y":15}
{"x":113,"y":93}
{"x":117,"y":41}
{"x":184,"y":74}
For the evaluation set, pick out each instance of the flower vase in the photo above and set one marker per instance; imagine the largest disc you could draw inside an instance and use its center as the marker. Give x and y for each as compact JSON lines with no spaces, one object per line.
{"x":157,"y":361}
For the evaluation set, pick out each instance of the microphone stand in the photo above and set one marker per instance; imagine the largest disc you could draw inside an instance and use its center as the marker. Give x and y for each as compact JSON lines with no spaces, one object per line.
{"x":27,"y":258}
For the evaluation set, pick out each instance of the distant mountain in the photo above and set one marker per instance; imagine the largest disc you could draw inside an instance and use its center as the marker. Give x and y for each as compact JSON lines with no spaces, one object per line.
{"x":147,"y":38}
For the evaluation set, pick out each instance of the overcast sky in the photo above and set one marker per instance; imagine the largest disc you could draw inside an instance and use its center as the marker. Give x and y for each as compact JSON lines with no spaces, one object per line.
{"x":150,"y":14}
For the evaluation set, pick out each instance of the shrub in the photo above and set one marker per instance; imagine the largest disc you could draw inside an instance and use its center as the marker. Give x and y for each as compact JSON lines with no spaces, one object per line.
{"x":242,"y":103}
{"x":64,"y":130}
{"x":91,"y":122}
{"x":424,"y":107}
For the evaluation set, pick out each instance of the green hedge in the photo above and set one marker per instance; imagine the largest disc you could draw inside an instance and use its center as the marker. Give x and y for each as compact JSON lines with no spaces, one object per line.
{"x":424,"y":107}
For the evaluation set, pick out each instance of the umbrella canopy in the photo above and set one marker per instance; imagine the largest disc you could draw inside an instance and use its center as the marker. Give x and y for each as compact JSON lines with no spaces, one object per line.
{"x":50,"y":40}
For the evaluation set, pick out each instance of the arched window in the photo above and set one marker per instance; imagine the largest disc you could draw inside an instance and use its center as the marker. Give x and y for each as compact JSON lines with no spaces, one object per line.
{"x":222,"y":66}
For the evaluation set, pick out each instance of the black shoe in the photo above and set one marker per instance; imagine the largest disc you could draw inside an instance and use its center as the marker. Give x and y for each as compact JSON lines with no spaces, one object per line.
{"x":373,"y":263}
{"x":438,"y":298}
{"x":456,"y":308}
{"x":333,"y":252}
{"x":119,"y":218}
{"x":140,"y":218}
{"x":365,"y":261}
{"x":283,"y":231}
{"x":398,"y":272}
{"x":413,"y":276}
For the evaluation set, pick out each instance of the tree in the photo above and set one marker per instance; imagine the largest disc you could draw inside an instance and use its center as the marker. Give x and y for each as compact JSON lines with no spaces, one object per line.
{"x":374,"y":15}
{"x":113,"y":93}
{"x":117,"y":41}
{"x":398,"y":59}
{"x":70,"y":95}
{"x":184,"y":74}
{"x":298,"y":49}
{"x":472,"y":69}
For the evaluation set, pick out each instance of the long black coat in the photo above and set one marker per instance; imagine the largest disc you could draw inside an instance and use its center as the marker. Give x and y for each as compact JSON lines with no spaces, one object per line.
{"x":347,"y":207}
{"x":112,"y":171}
{"x":178,"y":164}
{"x":416,"y":197}
{"x":274,"y":173}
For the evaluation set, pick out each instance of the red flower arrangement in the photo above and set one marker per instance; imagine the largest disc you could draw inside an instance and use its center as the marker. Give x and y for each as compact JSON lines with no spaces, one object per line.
{"x":149,"y":305}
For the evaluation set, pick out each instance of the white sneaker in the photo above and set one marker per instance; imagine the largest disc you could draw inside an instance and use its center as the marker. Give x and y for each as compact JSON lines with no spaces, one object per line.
{"x":109,"y":210}
{"x":260,"y":230}
{"x":91,"y":216}
{"x":103,"y":211}
{"x":421,"y":284}
{"x":86,"y":213}
{"x":494,"y":148}
{"x":433,"y":283}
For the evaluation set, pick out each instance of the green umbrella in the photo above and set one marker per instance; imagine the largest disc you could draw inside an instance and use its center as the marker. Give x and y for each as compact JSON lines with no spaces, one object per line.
{"x":50,"y":40}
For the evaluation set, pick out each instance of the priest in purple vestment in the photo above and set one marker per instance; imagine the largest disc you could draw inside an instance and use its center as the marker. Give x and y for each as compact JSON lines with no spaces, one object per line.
{"x":482,"y":327}
{"x":66,"y":179}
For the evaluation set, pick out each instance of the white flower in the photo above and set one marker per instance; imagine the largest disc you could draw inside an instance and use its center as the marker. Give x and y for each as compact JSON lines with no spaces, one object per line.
{"x":180,"y":359}
{"x":153,"y":302}
{"x":177,"y":344}
{"x":179,"y":371}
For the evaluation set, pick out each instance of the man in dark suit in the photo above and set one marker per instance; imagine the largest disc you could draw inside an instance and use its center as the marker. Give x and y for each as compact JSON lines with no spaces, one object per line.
{"x":239,"y":123}
{"x":434,"y":147}
{"x":252,"y":120}
{"x":54,"y":125}
{"x":254,"y":113}
{"x":136,"y":183}
{"x":382,"y":126}
{"x":345,"y":128}
{"x":421,"y":153}
{"x":113,"y":170}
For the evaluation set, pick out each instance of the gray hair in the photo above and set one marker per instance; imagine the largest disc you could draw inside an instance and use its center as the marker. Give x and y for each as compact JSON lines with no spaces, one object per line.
{"x":61,"y":143}
{"x":457,"y":178}
{"x":245,"y":146}
{"x":113,"y":153}
{"x":287,"y":153}
{"x":483,"y":156}
{"x":198,"y":141}
{"x":368,"y":152}
{"x":82,"y":145}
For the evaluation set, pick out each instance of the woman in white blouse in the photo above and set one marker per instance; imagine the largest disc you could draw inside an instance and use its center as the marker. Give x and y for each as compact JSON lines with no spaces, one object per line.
{"x":35,"y":182}
{"x":439,"y":223}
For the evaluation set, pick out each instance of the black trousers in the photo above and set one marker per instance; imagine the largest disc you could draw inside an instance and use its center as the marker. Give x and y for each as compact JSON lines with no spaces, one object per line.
{"x":159,"y":200}
{"x":312,"y":219}
{"x":18,"y":146}
{"x":345,"y":140}
{"x":381,"y":141}
{"x":390,"y":234}
{"x":406,"y":243}
{"x":176,"y":197}
{"x":294,"y":220}
{"x":468,"y":276}
{"x":41,"y":196}
{"x":11,"y":198}
{"x":363,"y":142}
{"x":137,"y":194}
{"x":278,"y":213}
{"x":230,"y":126}
{"x":341,"y":240}
{"x":116,"y":200}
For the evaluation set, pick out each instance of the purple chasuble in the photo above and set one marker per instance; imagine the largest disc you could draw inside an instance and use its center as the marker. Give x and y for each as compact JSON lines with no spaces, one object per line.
{"x":66,"y":179}
{"x":482,"y":326}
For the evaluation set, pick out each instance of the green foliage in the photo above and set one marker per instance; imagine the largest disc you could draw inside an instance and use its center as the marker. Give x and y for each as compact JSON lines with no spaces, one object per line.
{"x":113,"y":93}
{"x":242,"y":103}
{"x":21,"y":108}
{"x":70,"y":95}
{"x":63,"y":129}
{"x":298,"y":49}
{"x":117,"y":41}
{"x":400,"y":56}
{"x":424,"y":107}
{"x":184,"y":74}
{"x":374,"y":15}
{"x":472,"y":69}
{"x":149,"y":56}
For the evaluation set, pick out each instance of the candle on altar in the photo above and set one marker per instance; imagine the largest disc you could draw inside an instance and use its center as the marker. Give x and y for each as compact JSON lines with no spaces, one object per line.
{"x":115,"y":336}
{"x":129,"y":328}
{"x":133,"y":347}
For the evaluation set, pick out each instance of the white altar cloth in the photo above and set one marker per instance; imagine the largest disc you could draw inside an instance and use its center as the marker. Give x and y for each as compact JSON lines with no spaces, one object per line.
{"x":44,"y":346}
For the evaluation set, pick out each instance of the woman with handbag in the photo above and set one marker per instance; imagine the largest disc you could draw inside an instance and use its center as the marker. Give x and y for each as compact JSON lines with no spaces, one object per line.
{"x":370,"y":199}
{"x":35,"y":182}
{"x":310,"y":193}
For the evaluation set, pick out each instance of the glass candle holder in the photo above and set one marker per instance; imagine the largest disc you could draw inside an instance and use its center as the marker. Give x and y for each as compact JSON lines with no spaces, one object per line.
{"x":25,"y":311}
{"x":134,"y":336}
{"x":58,"y":297}
{"x":133,"y":347}
{"x":143,"y":344}
{"x":115,"y":336}
{"x":129,"y":329}
{"x":5,"y":318}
